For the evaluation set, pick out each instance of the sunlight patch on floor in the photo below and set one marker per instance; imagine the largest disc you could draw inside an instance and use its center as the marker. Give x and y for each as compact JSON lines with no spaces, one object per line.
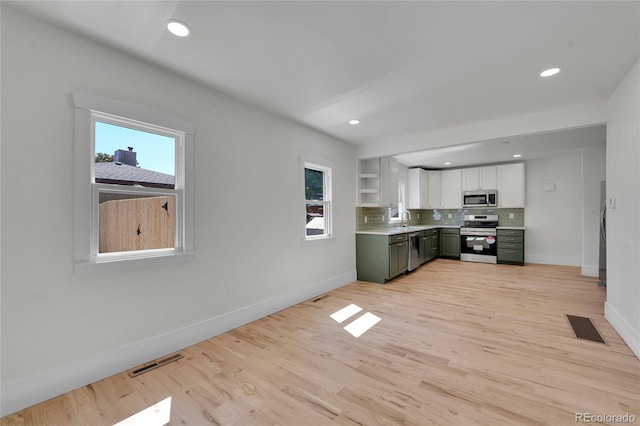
{"x":358,"y":327}
{"x":345,"y":313}
{"x":362,"y":324}
{"x":157,"y":415}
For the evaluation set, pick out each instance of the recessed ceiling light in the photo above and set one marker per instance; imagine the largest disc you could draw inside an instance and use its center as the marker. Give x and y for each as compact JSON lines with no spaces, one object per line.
{"x":517,"y":155}
{"x":354,"y":122}
{"x":448,"y":163}
{"x":178,"y":29}
{"x":549,"y":72}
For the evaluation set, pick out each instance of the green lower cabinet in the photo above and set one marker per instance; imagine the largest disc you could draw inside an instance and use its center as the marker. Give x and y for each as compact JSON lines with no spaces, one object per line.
{"x":434,"y":250}
{"x":450,"y":243}
{"x":511,"y":246}
{"x":425,"y":242}
{"x":397,"y":259}
{"x":380,"y":258}
{"x":429,"y":245}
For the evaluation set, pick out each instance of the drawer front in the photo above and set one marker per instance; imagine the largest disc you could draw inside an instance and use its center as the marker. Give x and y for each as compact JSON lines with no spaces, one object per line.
{"x":397,"y":238}
{"x":510,"y":233}
{"x":510,"y":255}
{"x":450,"y":231}
{"x":511,"y":246}
{"x":504,"y":239}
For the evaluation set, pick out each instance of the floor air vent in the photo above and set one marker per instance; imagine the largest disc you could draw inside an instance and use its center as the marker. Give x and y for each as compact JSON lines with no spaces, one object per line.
{"x":320,"y":298}
{"x":154,"y":364}
{"x":584,"y":329}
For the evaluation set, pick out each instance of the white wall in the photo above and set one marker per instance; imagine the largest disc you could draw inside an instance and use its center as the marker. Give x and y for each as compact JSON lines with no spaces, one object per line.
{"x":593,"y":172}
{"x":60,"y":330}
{"x":622,"y":308}
{"x":554,"y":219}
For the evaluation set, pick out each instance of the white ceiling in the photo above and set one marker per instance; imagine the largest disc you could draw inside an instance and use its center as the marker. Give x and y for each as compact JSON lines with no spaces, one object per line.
{"x":406,"y":70}
{"x":531,"y":147}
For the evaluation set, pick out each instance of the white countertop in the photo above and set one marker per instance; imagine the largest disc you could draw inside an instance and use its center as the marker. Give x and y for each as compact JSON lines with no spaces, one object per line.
{"x":416,"y":228}
{"x":402,"y":230}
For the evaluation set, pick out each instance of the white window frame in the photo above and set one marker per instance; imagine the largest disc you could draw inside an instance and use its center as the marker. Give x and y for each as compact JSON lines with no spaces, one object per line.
{"x":401,"y":205}
{"x":326,"y":167}
{"x":88,"y":110}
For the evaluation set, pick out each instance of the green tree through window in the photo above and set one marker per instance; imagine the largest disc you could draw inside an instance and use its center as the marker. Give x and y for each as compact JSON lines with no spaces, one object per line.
{"x":103,"y":157}
{"x":314,"y":184}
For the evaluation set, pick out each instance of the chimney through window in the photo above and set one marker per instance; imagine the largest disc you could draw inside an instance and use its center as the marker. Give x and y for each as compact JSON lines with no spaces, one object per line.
{"x":126,"y":157}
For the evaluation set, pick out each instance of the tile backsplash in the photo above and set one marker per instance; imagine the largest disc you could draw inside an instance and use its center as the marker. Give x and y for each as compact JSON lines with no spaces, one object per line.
{"x":376,"y":217}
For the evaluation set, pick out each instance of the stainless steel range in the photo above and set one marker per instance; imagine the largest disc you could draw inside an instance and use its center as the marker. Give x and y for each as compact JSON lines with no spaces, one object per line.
{"x":478,"y":238}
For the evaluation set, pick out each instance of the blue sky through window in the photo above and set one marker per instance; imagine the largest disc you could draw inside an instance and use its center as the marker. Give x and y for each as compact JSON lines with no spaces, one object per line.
{"x":154,"y":152}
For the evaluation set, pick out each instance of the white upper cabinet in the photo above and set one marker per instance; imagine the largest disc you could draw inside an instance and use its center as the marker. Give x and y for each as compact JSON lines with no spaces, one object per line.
{"x":434,"y":189}
{"x":479,"y":178}
{"x":451,"y":189}
{"x":418,"y":189}
{"x":389,"y":182}
{"x":378,"y":182}
{"x":510,"y":179}
{"x":431,"y":189}
{"x":424,"y":189}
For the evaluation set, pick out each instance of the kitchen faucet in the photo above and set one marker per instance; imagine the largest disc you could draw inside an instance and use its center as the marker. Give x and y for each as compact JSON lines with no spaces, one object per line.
{"x":405,"y":213}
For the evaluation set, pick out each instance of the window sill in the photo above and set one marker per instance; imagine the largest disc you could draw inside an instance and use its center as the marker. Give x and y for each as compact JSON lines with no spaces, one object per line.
{"x":318,"y":240}
{"x":119,"y":264}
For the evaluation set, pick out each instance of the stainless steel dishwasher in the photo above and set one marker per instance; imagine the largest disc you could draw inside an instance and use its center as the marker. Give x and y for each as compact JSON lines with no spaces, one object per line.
{"x":414,"y":251}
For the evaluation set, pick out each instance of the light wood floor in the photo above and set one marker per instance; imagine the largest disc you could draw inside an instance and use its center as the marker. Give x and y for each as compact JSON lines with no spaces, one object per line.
{"x":458,"y":344}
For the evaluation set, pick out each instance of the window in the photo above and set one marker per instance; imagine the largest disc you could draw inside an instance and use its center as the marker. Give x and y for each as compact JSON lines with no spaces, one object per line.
{"x":317,"y":201}
{"x":396,"y":214}
{"x":130,"y":217}
{"x":133,"y":185}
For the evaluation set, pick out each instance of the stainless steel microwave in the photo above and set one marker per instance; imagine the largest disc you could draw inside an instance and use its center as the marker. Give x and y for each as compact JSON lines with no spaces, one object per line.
{"x":482,"y":198}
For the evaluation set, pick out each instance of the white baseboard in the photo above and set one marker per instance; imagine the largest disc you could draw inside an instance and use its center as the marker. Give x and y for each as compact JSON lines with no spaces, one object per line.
{"x":590,"y":271}
{"x":553,"y":260}
{"x":630,"y":336}
{"x":47,"y":384}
